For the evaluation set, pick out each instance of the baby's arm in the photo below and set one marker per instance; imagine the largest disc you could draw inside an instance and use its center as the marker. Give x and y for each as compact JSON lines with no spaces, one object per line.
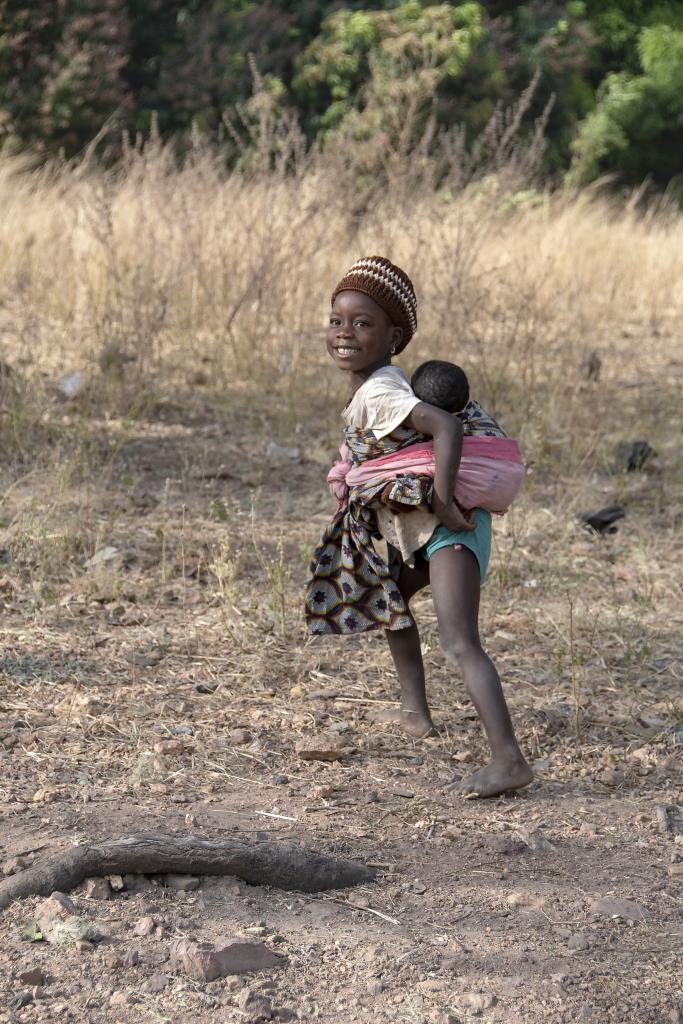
{"x":447,"y":433}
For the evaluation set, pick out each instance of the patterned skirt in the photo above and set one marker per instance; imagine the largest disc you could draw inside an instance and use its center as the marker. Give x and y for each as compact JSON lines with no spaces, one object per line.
{"x":350,"y":588}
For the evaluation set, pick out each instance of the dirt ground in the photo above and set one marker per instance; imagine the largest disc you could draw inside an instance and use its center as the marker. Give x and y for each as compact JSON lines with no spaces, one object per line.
{"x":188,"y":629}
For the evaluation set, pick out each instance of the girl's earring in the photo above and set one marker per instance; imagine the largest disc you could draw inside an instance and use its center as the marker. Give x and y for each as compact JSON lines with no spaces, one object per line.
{"x":393,"y":350}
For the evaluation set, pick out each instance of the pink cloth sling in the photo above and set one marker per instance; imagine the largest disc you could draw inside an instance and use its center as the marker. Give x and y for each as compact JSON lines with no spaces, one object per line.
{"x":490,"y":475}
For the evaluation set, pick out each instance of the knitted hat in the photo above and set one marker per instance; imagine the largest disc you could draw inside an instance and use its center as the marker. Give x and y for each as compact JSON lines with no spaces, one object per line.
{"x":389,"y":286}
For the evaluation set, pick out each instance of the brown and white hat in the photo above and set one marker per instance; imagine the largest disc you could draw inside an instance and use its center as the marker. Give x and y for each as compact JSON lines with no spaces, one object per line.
{"x":389,"y":286}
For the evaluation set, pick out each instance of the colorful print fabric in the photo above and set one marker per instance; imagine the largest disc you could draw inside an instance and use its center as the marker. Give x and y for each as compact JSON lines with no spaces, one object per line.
{"x":350,"y":588}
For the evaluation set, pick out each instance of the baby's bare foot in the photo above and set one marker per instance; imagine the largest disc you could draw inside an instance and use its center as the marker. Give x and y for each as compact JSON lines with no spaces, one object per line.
{"x":495,"y":778}
{"x":415,"y":723}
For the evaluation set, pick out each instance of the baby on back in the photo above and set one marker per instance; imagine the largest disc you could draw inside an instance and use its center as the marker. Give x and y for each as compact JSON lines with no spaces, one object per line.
{"x":446,"y":386}
{"x":442,"y":384}
{"x":491,"y":470}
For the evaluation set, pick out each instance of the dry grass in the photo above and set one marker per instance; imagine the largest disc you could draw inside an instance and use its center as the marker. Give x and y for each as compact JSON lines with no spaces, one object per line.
{"x":191,"y":302}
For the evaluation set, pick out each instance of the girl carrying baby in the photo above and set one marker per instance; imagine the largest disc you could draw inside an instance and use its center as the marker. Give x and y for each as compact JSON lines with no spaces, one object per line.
{"x":352,"y":588}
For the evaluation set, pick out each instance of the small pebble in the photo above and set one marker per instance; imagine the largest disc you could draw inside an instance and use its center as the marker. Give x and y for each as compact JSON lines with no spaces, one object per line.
{"x":578,"y":942}
{"x":157,"y":983}
{"x":240,"y":737}
{"x":145,"y":926}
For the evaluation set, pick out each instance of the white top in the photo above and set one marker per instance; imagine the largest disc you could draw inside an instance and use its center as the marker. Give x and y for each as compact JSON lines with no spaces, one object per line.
{"x":382,"y":403}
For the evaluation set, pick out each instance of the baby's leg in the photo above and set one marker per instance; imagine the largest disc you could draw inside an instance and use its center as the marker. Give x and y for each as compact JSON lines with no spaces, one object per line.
{"x":455,"y":588}
{"x":414,"y":715}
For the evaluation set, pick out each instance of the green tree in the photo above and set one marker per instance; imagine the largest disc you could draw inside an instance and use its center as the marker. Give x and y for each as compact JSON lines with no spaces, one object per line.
{"x":392,"y":57}
{"x":28,"y":40}
{"x":636,"y":128}
{"x":86,"y":84}
{"x":61,"y":70}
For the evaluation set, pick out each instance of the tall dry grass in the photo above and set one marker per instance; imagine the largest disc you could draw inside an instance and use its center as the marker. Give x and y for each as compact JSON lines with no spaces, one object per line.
{"x":203,"y":289}
{"x":191,"y":301}
{"x":154,"y":280}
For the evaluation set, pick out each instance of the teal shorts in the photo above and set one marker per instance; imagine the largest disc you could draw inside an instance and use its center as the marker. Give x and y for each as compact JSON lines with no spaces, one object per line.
{"x":477,"y":540}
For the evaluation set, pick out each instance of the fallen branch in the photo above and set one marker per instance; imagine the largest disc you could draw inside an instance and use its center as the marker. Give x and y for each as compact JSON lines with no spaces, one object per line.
{"x":280,"y":865}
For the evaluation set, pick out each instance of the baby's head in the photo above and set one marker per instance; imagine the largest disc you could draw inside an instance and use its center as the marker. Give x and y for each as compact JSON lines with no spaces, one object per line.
{"x":442,"y":384}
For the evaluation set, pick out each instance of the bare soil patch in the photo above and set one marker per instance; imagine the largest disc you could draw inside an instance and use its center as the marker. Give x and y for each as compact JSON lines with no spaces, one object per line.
{"x":167,"y":686}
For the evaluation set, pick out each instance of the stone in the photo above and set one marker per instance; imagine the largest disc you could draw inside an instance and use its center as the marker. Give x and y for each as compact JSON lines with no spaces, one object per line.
{"x":536,"y":841}
{"x":522,"y":899}
{"x":280,"y":779}
{"x":97,"y":889}
{"x":150,"y":768}
{"x":100,"y":557}
{"x":169,"y":747}
{"x":675,"y":870}
{"x":475,"y":1002}
{"x":145,"y":926}
{"x":123,"y":999}
{"x":57,"y":905}
{"x":255,"y":1006}
{"x":432,"y":985}
{"x":322,"y":747}
{"x":116,"y":882}
{"x":374,"y":987}
{"x":444,"y":1017}
{"x":279,"y":452}
{"x":131,"y":958}
{"x":206,"y":962}
{"x":612,"y":906}
{"x":60,"y":924}
{"x":240,"y":737}
{"x":84,"y":945}
{"x":32,"y":976}
{"x":662,"y":818}
{"x":611,"y":777}
{"x":157,"y":983}
{"x":183,"y":883}
{"x":137,"y":883}
{"x":22,"y":999}
{"x":320,"y":792}
{"x":508,"y":846}
{"x":578,"y":942}
{"x":418,"y":887}
{"x":14,"y":865}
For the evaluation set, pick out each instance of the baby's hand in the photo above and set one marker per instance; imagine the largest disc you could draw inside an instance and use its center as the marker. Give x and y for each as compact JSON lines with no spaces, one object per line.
{"x":452,"y":518}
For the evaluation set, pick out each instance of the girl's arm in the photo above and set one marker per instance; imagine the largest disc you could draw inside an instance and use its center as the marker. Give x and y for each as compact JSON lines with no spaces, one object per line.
{"x":446,"y":432}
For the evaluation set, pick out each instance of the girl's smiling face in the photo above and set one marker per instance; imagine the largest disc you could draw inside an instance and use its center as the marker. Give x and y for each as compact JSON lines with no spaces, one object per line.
{"x":360,"y":336}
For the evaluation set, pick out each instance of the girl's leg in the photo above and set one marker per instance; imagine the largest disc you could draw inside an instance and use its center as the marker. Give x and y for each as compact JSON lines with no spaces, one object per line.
{"x":404,"y":645}
{"x":454,"y":576}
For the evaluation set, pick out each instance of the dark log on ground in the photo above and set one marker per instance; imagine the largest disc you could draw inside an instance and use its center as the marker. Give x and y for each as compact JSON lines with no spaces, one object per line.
{"x":280,"y":865}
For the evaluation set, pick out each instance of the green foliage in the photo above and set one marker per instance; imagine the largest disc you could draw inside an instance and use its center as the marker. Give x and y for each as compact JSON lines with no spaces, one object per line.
{"x":636,"y":128}
{"x":364,"y":60}
{"x":386,"y":71}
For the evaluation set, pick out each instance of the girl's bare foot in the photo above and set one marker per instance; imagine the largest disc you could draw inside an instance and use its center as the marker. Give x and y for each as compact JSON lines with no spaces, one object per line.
{"x":416,"y":723}
{"x":495,"y":778}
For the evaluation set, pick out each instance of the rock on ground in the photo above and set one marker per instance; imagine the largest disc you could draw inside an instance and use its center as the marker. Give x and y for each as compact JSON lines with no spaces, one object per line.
{"x":205,"y":962}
